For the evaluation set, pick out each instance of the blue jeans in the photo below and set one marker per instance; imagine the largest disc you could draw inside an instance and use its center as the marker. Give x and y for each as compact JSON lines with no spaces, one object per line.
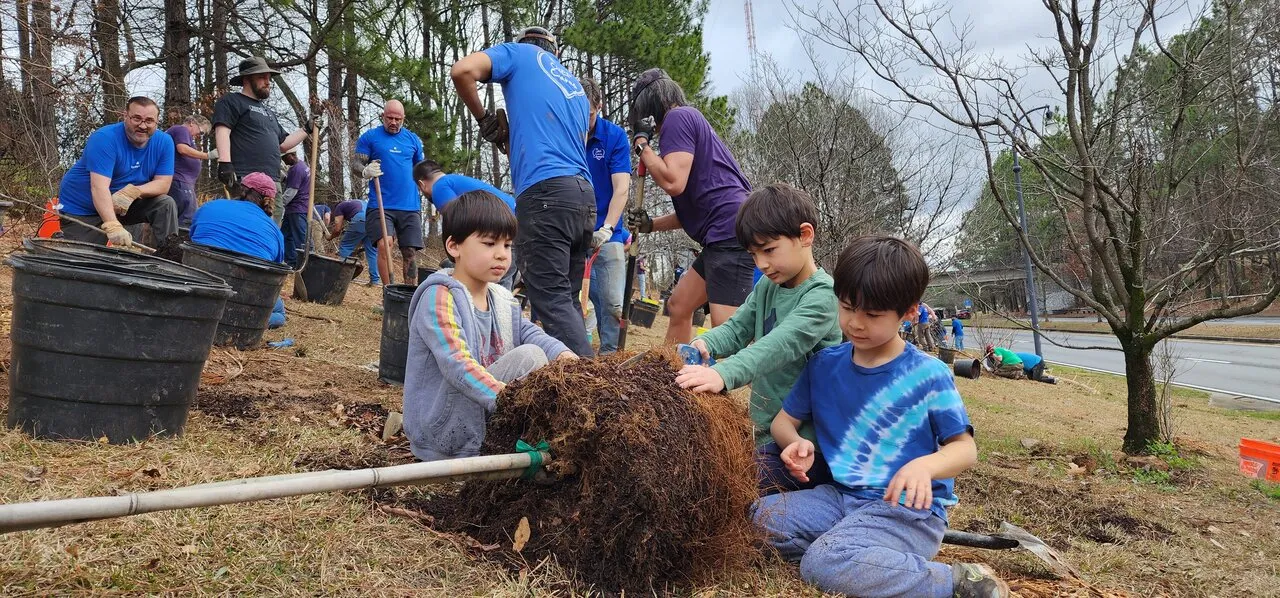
{"x":640,"y":280}
{"x":959,"y":341}
{"x":277,"y":315}
{"x":184,"y":197}
{"x":856,"y":546}
{"x":352,"y":236}
{"x":294,"y":227}
{"x":607,"y":274}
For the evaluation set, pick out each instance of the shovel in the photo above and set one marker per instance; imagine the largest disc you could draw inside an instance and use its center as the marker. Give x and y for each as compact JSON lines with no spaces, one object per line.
{"x":300,"y":285}
{"x":1009,"y":537}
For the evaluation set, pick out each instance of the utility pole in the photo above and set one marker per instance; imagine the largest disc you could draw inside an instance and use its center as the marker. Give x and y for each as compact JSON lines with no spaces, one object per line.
{"x":1032,"y":306}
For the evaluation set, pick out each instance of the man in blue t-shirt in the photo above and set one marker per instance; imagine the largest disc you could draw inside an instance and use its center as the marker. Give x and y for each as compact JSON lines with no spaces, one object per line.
{"x":546,"y":141}
{"x":386,"y":155}
{"x":894,"y":431}
{"x":441,"y":188}
{"x":609,"y":160}
{"x":122,"y":177}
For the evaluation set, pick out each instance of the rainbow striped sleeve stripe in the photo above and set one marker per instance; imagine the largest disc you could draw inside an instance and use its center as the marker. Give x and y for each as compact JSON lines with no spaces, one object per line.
{"x":449,"y":334}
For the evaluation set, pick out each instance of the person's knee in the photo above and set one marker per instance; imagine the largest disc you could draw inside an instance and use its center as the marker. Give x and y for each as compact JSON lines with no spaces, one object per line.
{"x":837,"y":565}
{"x":680,"y":307}
{"x":528,"y":358}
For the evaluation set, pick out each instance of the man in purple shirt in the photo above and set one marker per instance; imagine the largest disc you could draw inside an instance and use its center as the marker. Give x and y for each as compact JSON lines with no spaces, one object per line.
{"x":349,"y":221}
{"x":297,"y":192}
{"x":187,"y":162}
{"x":706,"y":188}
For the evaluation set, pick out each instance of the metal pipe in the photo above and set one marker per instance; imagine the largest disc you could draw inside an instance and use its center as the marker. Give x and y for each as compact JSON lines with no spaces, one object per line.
{"x":54,"y":513}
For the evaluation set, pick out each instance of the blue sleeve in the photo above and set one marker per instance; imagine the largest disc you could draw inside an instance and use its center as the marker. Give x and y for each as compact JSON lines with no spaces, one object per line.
{"x":364,"y":145}
{"x":418,"y":154}
{"x":442,"y":192}
{"x":504,"y":61}
{"x":799,"y":403}
{"x":167,"y":150}
{"x":620,"y":154}
{"x":100,"y":155}
{"x":947,"y":415}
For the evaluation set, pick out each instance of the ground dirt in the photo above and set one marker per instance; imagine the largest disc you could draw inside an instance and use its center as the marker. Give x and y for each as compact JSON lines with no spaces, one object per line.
{"x":1049,"y":462}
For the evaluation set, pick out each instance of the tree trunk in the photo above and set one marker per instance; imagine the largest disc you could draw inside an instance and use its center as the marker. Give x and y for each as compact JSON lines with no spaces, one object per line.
{"x":221,"y":13}
{"x":24,"y":46}
{"x":107,"y":35}
{"x":177,"y":59}
{"x":337,"y":133}
{"x":43,"y":94}
{"x":1144,"y":415}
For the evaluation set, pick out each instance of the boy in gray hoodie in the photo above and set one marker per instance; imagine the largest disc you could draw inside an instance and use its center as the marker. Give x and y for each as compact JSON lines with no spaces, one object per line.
{"x":467,"y":336}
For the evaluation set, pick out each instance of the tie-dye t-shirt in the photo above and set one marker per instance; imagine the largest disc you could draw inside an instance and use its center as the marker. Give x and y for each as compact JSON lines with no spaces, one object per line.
{"x":872,"y":421}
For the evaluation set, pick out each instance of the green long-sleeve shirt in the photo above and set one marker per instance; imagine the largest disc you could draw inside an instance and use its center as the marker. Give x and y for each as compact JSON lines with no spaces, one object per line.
{"x":767,"y":342}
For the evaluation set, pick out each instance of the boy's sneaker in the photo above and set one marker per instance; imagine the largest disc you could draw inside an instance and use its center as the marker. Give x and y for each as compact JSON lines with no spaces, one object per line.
{"x":976,"y":581}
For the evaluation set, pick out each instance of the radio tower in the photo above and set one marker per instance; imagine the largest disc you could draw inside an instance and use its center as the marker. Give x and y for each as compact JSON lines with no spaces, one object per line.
{"x":751,"y":38}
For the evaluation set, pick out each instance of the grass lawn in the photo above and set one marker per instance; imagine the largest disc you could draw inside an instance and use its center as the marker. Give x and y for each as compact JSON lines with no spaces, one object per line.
{"x":1050,"y":462}
{"x":1220,"y":328}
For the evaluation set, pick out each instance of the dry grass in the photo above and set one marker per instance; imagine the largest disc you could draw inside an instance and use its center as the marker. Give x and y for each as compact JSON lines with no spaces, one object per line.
{"x":1204,"y":531}
{"x":1222,"y":328}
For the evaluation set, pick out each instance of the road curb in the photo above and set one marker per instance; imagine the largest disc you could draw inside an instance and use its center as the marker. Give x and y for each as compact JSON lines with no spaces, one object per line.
{"x":1181,"y":337}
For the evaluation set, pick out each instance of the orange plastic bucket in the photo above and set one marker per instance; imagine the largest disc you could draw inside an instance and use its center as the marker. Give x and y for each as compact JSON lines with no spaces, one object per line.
{"x":1260,"y":459}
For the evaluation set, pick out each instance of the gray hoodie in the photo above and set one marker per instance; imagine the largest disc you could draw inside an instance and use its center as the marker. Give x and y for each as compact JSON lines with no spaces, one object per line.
{"x":448,"y":393}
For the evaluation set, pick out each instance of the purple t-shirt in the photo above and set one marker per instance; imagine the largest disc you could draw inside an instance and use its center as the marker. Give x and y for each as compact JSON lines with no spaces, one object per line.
{"x":348,"y":209}
{"x":708,"y":208}
{"x":299,"y":177}
{"x":185,"y":169}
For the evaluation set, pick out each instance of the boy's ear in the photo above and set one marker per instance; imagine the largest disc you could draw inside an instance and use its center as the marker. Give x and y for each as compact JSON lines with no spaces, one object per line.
{"x":913,"y":313}
{"x":451,"y":248}
{"x":807,"y":235}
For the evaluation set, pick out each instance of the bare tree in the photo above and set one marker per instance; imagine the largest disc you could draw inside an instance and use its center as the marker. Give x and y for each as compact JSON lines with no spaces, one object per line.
{"x":1155,"y":197}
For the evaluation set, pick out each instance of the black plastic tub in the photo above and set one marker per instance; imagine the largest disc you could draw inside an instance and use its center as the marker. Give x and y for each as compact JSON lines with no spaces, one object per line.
{"x":108,"y":349}
{"x":327,"y":278}
{"x":257,"y":283}
{"x":643,"y":313}
{"x":967,"y":368}
{"x":424,"y":272}
{"x":393,"y":353}
{"x":948,"y":356}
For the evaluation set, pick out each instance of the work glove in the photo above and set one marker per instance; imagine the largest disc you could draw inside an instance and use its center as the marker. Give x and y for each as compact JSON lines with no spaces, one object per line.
{"x":601,"y":236}
{"x":227,"y":175}
{"x":638,"y":220}
{"x":372,"y":169}
{"x":213,"y":155}
{"x":493,"y":127}
{"x":117,"y":235}
{"x":124,"y":198}
{"x":643,"y":133}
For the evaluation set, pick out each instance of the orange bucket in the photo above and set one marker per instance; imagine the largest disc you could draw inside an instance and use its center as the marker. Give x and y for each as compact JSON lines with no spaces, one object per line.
{"x":1260,"y":459}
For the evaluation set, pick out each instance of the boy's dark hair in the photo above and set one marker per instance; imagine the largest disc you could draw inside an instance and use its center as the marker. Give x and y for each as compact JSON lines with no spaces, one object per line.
{"x":477,"y":213}
{"x":425,"y":169}
{"x":880,"y":272}
{"x":775,"y":211}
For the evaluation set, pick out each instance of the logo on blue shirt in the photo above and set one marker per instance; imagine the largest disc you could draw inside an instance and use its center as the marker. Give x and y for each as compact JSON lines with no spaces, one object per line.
{"x":598,"y":153}
{"x":568,"y":84}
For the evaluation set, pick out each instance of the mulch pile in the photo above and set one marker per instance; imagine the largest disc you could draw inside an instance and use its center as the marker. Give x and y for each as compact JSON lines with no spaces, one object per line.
{"x":651,"y":485}
{"x":171,"y":247}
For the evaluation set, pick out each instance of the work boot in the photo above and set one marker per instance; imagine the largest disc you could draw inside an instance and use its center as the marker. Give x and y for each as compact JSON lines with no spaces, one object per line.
{"x":976,"y":581}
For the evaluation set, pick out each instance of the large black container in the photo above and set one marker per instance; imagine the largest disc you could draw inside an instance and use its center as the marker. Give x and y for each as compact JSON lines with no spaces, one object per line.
{"x":257,"y":283}
{"x":394,"y":350}
{"x":107,"y":346}
{"x":425,"y":272}
{"x":967,"y":368}
{"x":327,"y":278}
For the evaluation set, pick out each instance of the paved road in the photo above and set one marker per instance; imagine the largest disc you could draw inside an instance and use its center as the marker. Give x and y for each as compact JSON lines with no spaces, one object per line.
{"x":1230,"y":368}
{"x":1242,"y":321}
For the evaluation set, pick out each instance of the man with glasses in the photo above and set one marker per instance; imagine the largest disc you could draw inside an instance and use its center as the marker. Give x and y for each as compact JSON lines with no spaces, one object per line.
{"x":248,"y":135}
{"x":188,"y":163}
{"x":388,"y":154}
{"x":122,"y":177}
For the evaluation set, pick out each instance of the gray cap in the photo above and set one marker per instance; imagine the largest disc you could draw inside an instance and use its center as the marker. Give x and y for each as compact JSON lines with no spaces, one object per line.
{"x":253,"y":66}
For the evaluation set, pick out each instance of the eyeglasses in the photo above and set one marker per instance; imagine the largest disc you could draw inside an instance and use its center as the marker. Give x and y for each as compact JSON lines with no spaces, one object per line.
{"x":138,"y":120}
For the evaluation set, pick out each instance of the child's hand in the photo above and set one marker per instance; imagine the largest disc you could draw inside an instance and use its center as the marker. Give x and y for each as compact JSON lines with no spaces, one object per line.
{"x":798,"y":457}
{"x":566,"y":356}
{"x":700,"y":378}
{"x":701,"y":346}
{"x":917,"y":480}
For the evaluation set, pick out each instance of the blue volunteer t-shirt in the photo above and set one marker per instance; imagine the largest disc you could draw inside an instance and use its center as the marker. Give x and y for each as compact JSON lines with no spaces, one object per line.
{"x":109,"y":153}
{"x":547,"y":112}
{"x":924,"y":314}
{"x":608,"y":153}
{"x":398,"y":153}
{"x":957,"y":328}
{"x":872,"y":421}
{"x":448,"y":187}
{"x":1030,"y":360}
{"x":238,"y":226}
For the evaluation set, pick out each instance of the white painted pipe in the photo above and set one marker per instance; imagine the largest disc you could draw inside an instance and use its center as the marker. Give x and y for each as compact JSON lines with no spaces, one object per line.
{"x":54,"y":513}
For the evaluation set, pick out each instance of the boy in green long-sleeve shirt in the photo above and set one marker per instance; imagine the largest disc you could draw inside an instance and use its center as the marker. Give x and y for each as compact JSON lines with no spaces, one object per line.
{"x":789,"y":316}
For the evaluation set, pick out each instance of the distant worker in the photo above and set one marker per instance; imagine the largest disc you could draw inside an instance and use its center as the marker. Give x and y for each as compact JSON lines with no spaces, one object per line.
{"x":1009,"y":364}
{"x":187,"y":164}
{"x":244,"y":225}
{"x":297,"y":194}
{"x":388,"y":153}
{"x":546,"y":140}
{"x":122,"y":177}
{"x":609,"y":161}
{"x":349,"y":221}
{"x":248,"y":135}
{"x":922,"y":331}
{"x":957,"y":332}
{"x":441,"y":188}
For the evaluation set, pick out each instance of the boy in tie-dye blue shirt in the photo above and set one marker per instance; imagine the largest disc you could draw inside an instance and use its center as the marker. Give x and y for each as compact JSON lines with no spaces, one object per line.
{"x":894,"y":432}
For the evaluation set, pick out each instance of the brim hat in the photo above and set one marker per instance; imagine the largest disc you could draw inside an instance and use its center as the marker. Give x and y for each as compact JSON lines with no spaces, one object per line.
{"x":261,"y":183}
{"x":253,"y":66}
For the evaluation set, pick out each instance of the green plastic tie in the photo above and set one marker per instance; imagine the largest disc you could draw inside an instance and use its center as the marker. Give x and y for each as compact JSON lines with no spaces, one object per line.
{"x":535,"y":456}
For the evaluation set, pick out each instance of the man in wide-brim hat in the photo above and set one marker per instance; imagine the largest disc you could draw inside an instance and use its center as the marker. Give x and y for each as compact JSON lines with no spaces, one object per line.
{"x":247,"y":132}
